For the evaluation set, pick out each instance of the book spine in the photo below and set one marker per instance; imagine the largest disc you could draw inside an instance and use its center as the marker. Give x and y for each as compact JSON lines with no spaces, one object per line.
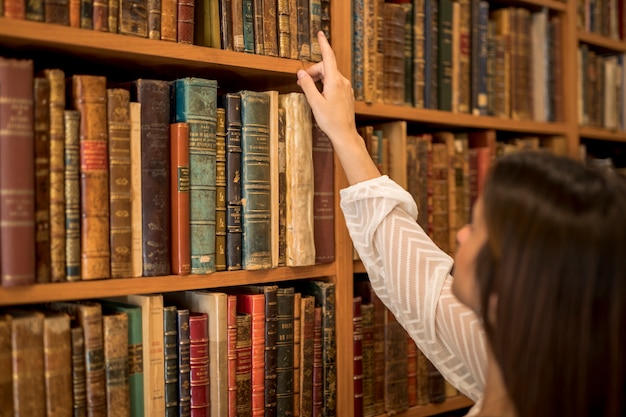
{"x":196,"y":104}
{"x":226,"y":25}
{"x":57,"y":175}
{"x":323,"y":197}
{"x":199,"y":363}
{"x":6,"y":378}
{"x":445,"y":56}
{"x":118,"y":109}
{"x":244,"y":365}
{"x":231,"y":349}
{"x":307,"y":354}
{"x":393,"y":53}
{"x":282,"y":188}
{"x":220,"y":191}
{"x":293,"y":33}
{"x":284,"y":30}
{"x":15,"y":9}
{"x":270,"y":30}
{"x":185,"y":21}
{"x":411,"y":371}
{"x":184,"y":381}
{"x":233,"y":181}
{"x":17,"y":162}
{"x":89,"y":95}
{"x":297,"y":346}
{"x":169,"y":20}
{"x":79,"y":385}
{"x":357,"y":348}
{"x":170,"y":359}
{"x":285,"y":351}
{"x":257,"y":12}
{"x":237,"y":18}
{"x":154,"y":19}
{"x":315,"y":25}
{"x":57,"y":364}
{"x":86,"y":14}
{"x":396,"y":388}
{"x":317,"y":386}
{"x":114,"y":13}
{"x":256,"y":237}
{"x":100,"y":17}
{"x":254,"y":305}
{"x":248,"y":26}
{"x":179,"y":189}
{"x":135,"y":189}
{"x":115,"y":333}
{"x":367,"y":347}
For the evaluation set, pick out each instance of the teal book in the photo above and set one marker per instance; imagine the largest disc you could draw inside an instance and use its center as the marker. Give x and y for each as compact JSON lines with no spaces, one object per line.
{"x":135,"y":352}
{"x":196,"y":104}
{"x":255,"y":164}
{"x":248,"y":26}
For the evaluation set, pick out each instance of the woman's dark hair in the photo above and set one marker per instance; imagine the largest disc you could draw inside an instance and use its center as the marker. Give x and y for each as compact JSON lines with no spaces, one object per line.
{"x":556,"y":261}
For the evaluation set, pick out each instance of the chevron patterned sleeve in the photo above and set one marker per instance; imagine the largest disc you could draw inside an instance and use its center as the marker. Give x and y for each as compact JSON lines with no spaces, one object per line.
{"x":411,"y":275}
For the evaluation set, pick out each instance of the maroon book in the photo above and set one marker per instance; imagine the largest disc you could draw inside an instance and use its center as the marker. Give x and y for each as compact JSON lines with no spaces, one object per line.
{"x":323,"y":197}
{"x":199,"y":364}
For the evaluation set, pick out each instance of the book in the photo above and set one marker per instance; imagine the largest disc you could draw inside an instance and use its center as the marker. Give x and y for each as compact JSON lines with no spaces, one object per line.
{"x":299,"y":180}
{"x":226,"y":25}
{"x":89,"y":98}
{"x":307,"y":355}
{"x":248,"y":26}
{"x":57,"y":351}
{"x":115,"y":335}
{"x":17,"y":159}
{"x":79,"y":386}
{"x":395,"y":132}
{"x":258,"y":26}
{"x":255,"y":192}
{"x":315,"y":25}
{"x":170,"y":359}
{"x":179,"y":190}
{"x":236,"y":7}
{"x":285,"y":351}
{"x":393,"y":76}
{"x":207,"y":23}
{"x":57,"y":12}
{"x":317,"y":386}
{"x":120,"y":210}
{"x":154,"y":97}
{"x":6,"y":378}
{"x":185,"y":21}
{"x":282,"y":188}
{"x":232,"y":104}
{"x":220,"y":190}
{"x":154,"y":19}
{"x":184,"y":366}
{"x":244,"y":365}
{"x":297,"y":346}
{"x":270,"y":23}
{"x":274,"y":150}
{"x":411,"y":371}
{"x":357,"y":347}
{"x":231,"y":348}
{"x":283,"y":28}
{"x":323,"y":197}
{"x":169,"y":19}
{"x":396,"y":394}
{"x":367,"y":348}
{"x":135,"y":189}
{"x":199,"y":364}
{"x":196,"y":104}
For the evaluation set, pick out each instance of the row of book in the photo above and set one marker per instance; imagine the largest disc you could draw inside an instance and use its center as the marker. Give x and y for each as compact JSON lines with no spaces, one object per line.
{"x":266,"y":27}
{"x":465,"y":56}
{"x":605,"y":17}
{"x":156,"y":177}
{"x":256,"y":350}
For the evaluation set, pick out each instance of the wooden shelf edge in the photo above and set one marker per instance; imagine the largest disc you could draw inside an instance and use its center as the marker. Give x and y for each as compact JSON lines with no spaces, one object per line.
{"x":62,"y":291}
{"x":451,"y":404}
{"x":358,"y":267}
{"x":590,"y":132}
{"x":552,"y":5}
{"x":601,"y":41}
{"x":447,"y":119}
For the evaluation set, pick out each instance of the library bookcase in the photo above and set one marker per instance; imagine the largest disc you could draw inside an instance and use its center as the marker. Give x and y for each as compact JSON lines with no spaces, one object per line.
{"x":79,"y":50}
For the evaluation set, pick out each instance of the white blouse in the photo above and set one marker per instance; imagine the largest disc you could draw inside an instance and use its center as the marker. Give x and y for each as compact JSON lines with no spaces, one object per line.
{"x":411,"y":275}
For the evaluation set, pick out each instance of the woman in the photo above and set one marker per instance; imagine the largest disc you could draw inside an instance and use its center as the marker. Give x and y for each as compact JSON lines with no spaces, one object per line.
{"x":534,"y":321}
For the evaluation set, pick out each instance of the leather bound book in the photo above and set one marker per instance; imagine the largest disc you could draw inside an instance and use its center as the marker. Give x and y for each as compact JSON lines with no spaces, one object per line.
{"x":74,"y":12}
{"x":41,"y":89}
{"x":243,"y":371}
{"x":226,"y":25}
{"x":179,"y":190}
{"x":293,"y":33}
{"x":396,"y":394}
{"x":300,"y":241}
{"x":184,"y":388}
{"x":283,"y":28}
{"x":133,"y":18}
{"x":135,"y":352}
{"x":220,"y":191}
{"x":169,"y":19}
{"x":57,"y":346}
{"x":86,"y":14}
{"x":15,"y":9}
{"x":79,"y":385}
{"x":367,"y":348}
{"x":115,"y":332}
{"x":317,"y":387}
{"x":254,"y":305}
{"x":170,"y":357}
{"x":27,"y":347}
{"x":436,"y":384}
{"x":6,"y":378}
{"x":135,"y":190}
{"x":118,"y":120}
{"x":393,"y":60}
{"x":440,"y":226}
{"x":185,"y":21}
{"x":323,"y":197}
{"x":282,"y":188}
{"x":357,"y":347}
{"x":325,"y":19}
{"x":199,"y":364}
{"x":207,"y":28}
{"x":303,"y":32}
{"x":231,"y":353}
{"x":196,"y":104}
{"x":154,"y":97}
{"x":89,"y":97}
{"x":57,"y":174}
{"x":307,"y":354}
{"x":114,"y":15}
{"x":35,"y":10}
{"x":270,"y":22}
{"x":232,"y":104}
{"x":72,"y":194}
{"x":315,"y":25}
{"x":17,"y":165}
{"x":259,"y":37}
{"x":100,"y":15}
{"x":154,"y":19}
{"x":284,"y":351}
{"x":236,"y":7}
{"x":256,"y":248}
{"x":297,"y":345}
{"x":274,"y":174}
{"x":248,"y":26}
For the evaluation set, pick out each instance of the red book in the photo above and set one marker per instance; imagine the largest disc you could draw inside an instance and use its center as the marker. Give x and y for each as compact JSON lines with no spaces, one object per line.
{"x":323,"y":197}
{"x":254,"y":304}
{"x":17,"y":167}
{"x":357,"y":335}
{"x":231,"y":322}
{"x":318,"y":384}
{"x":199,"y":364}
{"x":179,"y":189}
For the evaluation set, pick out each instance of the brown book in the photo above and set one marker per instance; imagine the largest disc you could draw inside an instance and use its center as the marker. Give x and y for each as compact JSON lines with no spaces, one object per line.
{"x":154,"y":19}
{"x":436,"y":384}
{"x":231,"y":349}
{"x":307,"y":354}
{"x":17,"y":165}
{"x":89,"y":97}
{"x":57,"y":174}
{"x":135,"y":189}
{"x":35,"y":10}
{"x":6,"y":378}
{"x":72,"y":194}
{"x":133,"y":18}
{"x":323,"y":197}
{"x":57,"y":345}
{"x":226,"y":25}
{"x":100,"y":10}
{"x":42,"y":178}
{"x":303,"y":29}
{"x":57,"y":12}
{"x":284,"y":351}
{"x":118,"y":122}
{"x":169,"y":20}
{"x":184,"y":350}
{"x":232,"y":103}
{"x":179,"y":189}
{"x":440,"y":204}
{"x":199,"y":363}
{"x":237,"y":18}
{"x":270,"y":22}
{"x":15,"y":9}
{"x":367,"y":348}
{"x":170,"y":359}
{"x":220,"y":191}
{"x":317,"y":386}
{"x":422,"y":378}
{"x":114,"y":15}
{"x":115,"y":334}
{"x":282,"y":189}
{"x":79,"y":385}
{"x":393,"y":59}
{"x":357,"y":347}
{"x":283,"y":28}
{"x":293,"y":33}
{"x":74,"y":12}
{"x":396,"y":394}
{"x":257,"y":18}
{"x":411,"y":371}
{"x":315,"y":25}
{"x":297,"y":346}
{"x":244,"y":364}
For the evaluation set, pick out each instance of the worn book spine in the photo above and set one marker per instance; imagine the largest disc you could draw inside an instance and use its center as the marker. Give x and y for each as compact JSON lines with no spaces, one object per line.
{"x":396,"y":394}
{"x":89,"y":97}
{"x":303,"y":29}
{"x":248,"y":26}
{"x":57,"y":349}
{"x":135,"y":190}
{"x":282,"y":188}
{"x":79,"y":385}
{"x":154,"y":19}
{"x":284,"y":351}
{"x":114,"y":15}
{"x":57,"y":174}
{"x":256,"y":248}
{"x":367,"y":347}
{"x":35,"y":10}
{"x":231,"y":349}
{"x":226,"y":25}
{"x":41,"y":140}
{"x":199,"y":364}
{"x":179,"y":190}
{"x":274,"y":172}
{"x":100,"y":20}
{"x":184,"y":388}
{"x":236,"y":7}
{"x":196,"y":104}
{"x":185,"y":19}
{"x":115,"y":333}
{"x":357,"y":348}
{"x":74,"y":12}
{"x":169,"y":20}
{"x":259,"y":36}
{"x":446,"y":57}
{"x":232,"y":102}
{"x":86,"y":14}
{"x":170,"y":358}
{"x":283,"y":28}
{"x":307,"y":339}
{"x":293,"y":29}
{"x":118,"y":121}
{"x":155,"y":159}
{"x":323,"y":197}
{"x":17,"y":181}
{"x":317,"y":386}
{"x":6,"y":378}
{"x":297,"y":345}
{"x":315,"y":25}
{"x":270,"y":30}
{"x":325,"y":19}
{"x":254,"y":305}
{"x":244,"y":365}
{"x":411,"y":371}
{"x":220,"y":190}
{"x":393,"y":53}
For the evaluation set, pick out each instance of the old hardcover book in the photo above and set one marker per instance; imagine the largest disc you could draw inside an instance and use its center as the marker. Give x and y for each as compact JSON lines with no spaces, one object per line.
{"x":236,"y":7}
{"x":436,"y":384}
{"x":179,"y":190}
{"x":184,"y":370}
{"x":367,"y":348}
{"x":220,"y":190}
{"x":170,"y":359}
{"x":57,"y":174}
{"x":256,"y":236}
{"x":396,"y":394}
{"x":120,"y":210}
{"x":357,"y":348}
{"x":226,"y":25}
{"x":448,"y":45}
{"x":196,"y":104}
{"x":417,"y":153}
{"x":293,"y":33}
{"x":114,"y":15}
{"x":317,"y":386}
{"x":135,"y":352}
{"x":115,"y":333}
{"x":154,"y":97}
{"x":199,"y":364}
{"x":6,"y":378}
{"x":86,"y":14}
{"x":17,"y":184}
{"x":41,"y":90}
{"x":393,"y":53}
{"x":299,"y":238}
{"x":297,"y":345}
{"x":257,"y":25}
{"x":248,"y":26}
{"x":282,"y":188}
{"x":100,"y":15}
{"x":169,"y":22}
{"x":154,"y":19}
{"x":323,"y":197}
{"x":207,"y":27}
{"x":57,"y":347}
{"x":274,"y":175}
{"x":396,"y":133}
{"x":315,"y":25}
{"x":270,"y":32}
{"x":244,"y":365}
{"x":135,"y":190}
{"x":411,"y":371}
{"x":231,"y":349}
{"x":57,"y":12}
{"x":325,"y":19}
{"x":285,"y":351}
{"x":232,"y":104}
{"x":307,"y":340}
{"x":440,"y":199}
{"x":79,"y":386}
{"x":283,"y":28}
{"x":185,"y":20}
{"x":89,"y":98}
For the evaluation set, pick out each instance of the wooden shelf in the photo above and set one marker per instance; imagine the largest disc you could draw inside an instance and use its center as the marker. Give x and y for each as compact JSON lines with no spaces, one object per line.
{"x":600,"y":41}
{"x":451,"y":404}
{"x":537,"y":4}
{"x":589,"y":132}
{"x":358,"y":267}
{"x":62,"y":291}
{"x":444,"y":119}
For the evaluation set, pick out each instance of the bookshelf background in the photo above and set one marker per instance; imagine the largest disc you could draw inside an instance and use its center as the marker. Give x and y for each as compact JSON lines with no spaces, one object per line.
{"x":132,"y":57}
